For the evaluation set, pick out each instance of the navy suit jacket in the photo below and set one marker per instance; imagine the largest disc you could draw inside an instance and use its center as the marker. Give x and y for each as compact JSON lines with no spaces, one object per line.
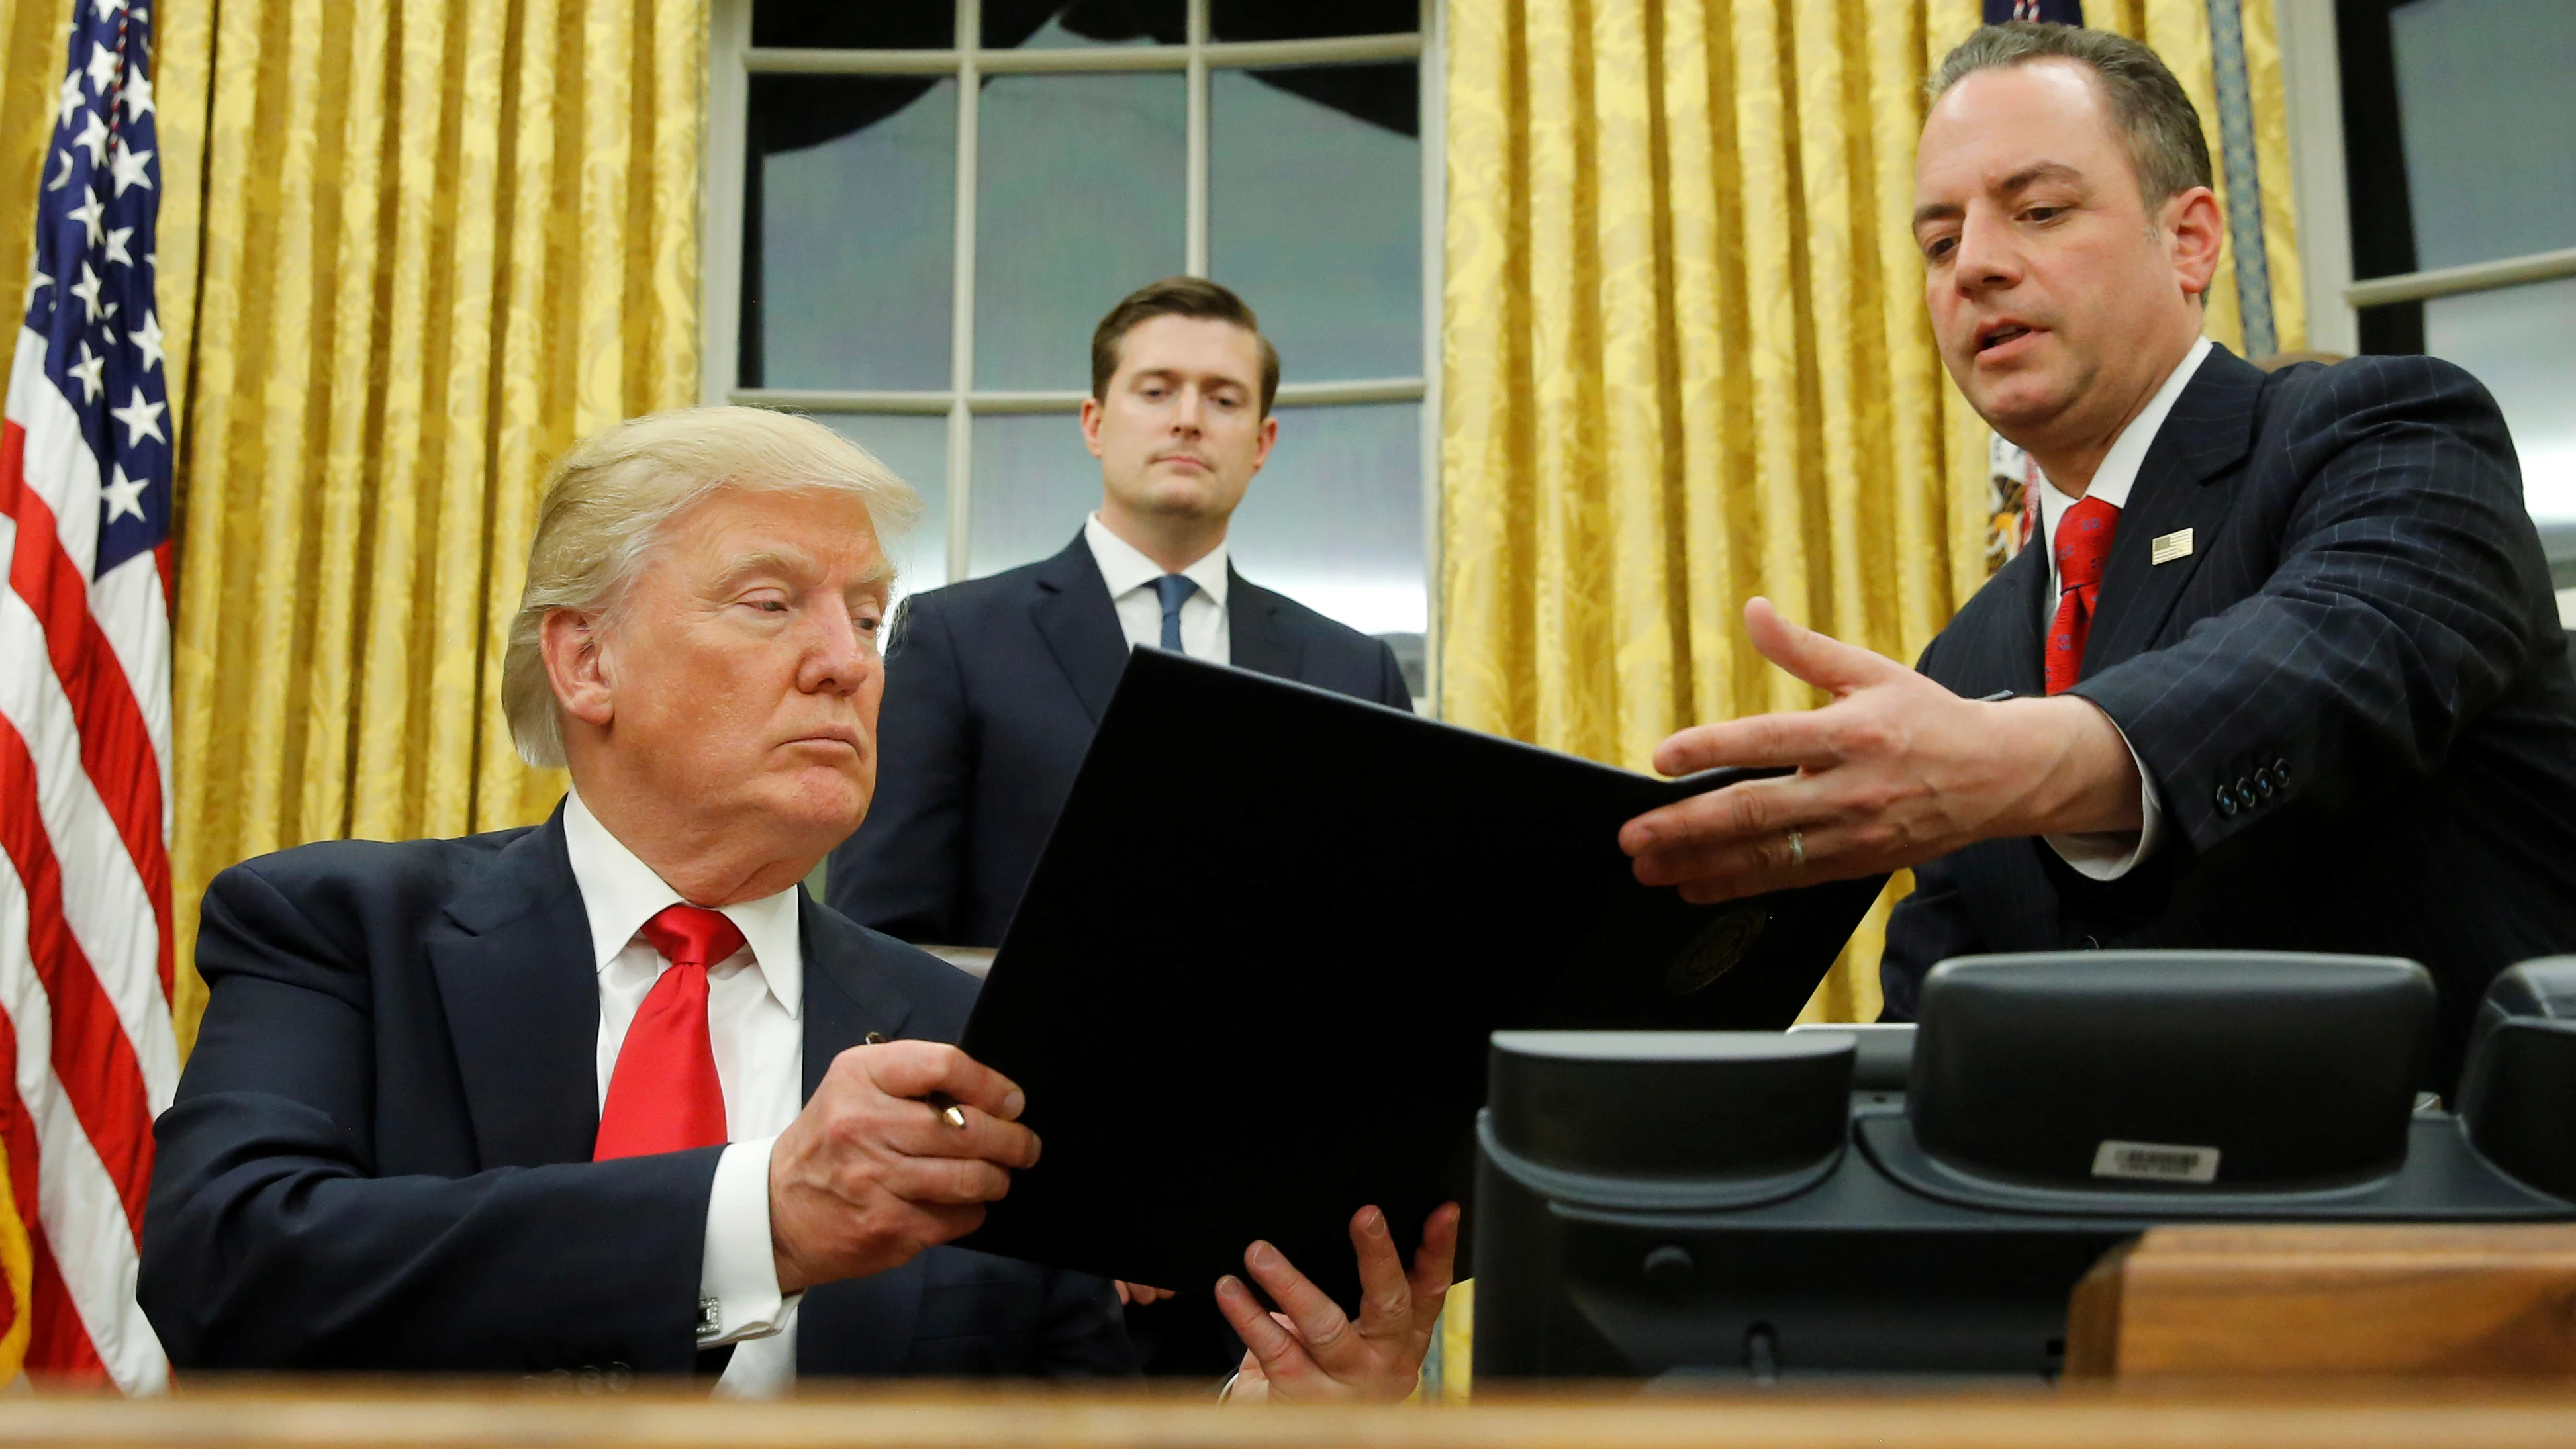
{"x":2353,"y":695}
{"x":380,"y":1153}
{"x":993,"y":690}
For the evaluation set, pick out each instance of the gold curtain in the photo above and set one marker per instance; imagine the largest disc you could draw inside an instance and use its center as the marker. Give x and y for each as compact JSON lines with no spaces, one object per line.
{"x":1686,"y":360}
{"x":440,"y":241}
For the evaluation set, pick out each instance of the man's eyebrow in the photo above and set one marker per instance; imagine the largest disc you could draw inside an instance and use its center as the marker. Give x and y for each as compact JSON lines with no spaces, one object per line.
{"x":2022,"y":180}
{"x":2030,"y":176}
{"x":767,"y":561}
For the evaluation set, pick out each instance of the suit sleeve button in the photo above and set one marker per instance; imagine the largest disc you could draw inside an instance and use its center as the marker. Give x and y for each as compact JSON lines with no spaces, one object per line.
{"x":2226,"y":800}
{"x":2263,"y":782}
{"x":2281,"y":770}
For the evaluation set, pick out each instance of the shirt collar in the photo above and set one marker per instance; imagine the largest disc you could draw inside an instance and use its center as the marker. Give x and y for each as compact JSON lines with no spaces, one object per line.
{"x":1124,"y":567}
{"x":620,"y":893}
{"x":2119,"y":471}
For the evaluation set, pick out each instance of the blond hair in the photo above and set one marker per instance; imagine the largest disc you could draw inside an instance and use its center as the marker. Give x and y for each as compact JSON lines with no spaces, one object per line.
{"x":606,"y":503}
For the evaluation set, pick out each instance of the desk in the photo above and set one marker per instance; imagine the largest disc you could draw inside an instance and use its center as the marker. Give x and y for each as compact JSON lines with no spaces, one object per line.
{"x":324,"y":1415}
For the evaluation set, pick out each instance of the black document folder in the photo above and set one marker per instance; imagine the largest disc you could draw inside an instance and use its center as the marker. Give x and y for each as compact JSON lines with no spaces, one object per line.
{"x":1250,"y":986}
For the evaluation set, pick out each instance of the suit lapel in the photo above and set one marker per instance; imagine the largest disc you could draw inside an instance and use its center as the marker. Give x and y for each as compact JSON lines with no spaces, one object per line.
{"x":1073,"y":614}
{"x":2211,"y":427}
{"x":1255,"y":635}
{"x":2017,"y":588}
{"x":517,"y":977}
{"x":862,"y":1326}
{"x":844,"y":1001}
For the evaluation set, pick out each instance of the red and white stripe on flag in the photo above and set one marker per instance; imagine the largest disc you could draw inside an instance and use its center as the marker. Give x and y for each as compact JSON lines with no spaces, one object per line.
{"x":85,"y":915}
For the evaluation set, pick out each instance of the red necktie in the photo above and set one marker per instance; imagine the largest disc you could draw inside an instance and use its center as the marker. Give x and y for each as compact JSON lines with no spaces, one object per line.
{"x":664,"y":1095}
{"x":2083,"y":541}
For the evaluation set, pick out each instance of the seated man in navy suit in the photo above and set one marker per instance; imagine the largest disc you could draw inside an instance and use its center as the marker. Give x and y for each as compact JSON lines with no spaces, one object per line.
{"x":610,"y":1092}
{"x":2281,"y":668}
{"x":995,"y":686}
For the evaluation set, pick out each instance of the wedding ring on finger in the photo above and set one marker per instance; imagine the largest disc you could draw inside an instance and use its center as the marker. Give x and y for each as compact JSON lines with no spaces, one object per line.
{"x":1797,"y":850}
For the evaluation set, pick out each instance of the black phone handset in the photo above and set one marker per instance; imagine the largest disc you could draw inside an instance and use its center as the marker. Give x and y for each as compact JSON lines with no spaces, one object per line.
{"x":2518,"y":1091}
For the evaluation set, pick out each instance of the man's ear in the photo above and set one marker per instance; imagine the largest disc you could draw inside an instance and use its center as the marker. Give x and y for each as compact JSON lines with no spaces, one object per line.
{"x":1268,"y":439}
{"x":576,"y":666}
{"x":1091,"y":425}
{"x":2198,"y":230}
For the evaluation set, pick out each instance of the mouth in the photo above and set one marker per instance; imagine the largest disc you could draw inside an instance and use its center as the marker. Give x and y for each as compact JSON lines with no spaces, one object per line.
{"x":1186,"y":460}
{"x":843,"y":738}
{"x":2000,"y":334}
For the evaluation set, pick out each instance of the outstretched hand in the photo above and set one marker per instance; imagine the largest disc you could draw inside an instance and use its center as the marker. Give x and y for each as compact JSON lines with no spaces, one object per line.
{"x":1310,"y":1350}
{"x":1894,"y":771}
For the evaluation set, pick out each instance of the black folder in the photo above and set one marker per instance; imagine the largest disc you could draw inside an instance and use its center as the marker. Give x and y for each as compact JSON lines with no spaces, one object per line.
{"x":1250,"y":986}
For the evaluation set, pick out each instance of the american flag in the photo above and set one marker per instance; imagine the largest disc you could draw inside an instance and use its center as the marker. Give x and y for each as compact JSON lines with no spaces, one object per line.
{"x":85,"y":953}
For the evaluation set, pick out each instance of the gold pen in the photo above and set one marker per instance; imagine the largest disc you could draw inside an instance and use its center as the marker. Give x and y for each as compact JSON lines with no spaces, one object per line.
{"x":940,"y":1102}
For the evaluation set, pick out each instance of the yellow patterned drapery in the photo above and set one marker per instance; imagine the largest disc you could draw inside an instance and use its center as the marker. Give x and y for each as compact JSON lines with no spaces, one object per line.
{"x":441,"y":241}
{"x":1686,"y":361}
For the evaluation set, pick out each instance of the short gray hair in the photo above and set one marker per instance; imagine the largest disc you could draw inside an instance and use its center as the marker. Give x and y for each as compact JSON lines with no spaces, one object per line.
{"x":2157,"y":120}
{"x":608,"y":499}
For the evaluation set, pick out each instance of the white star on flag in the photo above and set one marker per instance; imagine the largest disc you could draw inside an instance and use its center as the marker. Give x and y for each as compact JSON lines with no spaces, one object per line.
{"x":70,"y":99}
{"x":128,"y":166}
{"x":141,"y":419}
{"x":87,"y":290}
{"x":87,"y":370}
{"x":102,"y":67}
{"x":88,"y":215}
{"x":93,"y":136}
{"x":124,"y":495}
{"x":138,"y":96}
{"x":147,"y":340}
{"x":35,"y":284}
{"x":62,"y":178}
{"x":116,"y":251}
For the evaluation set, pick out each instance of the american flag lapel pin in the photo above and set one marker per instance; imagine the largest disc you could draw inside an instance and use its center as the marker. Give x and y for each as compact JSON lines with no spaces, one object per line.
{"x":2170,"y":546}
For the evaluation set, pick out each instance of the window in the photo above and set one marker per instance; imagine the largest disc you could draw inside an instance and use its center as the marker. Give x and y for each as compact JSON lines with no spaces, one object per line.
{"x":2458,"y":183}
{"x":917,"y":213}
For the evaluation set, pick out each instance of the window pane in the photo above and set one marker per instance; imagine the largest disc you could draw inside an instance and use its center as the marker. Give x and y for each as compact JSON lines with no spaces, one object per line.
{"x":2486,"y":111}
{"x":1055,"y":25}
{"x":852,"y":261}
{"x":2518,"y":342}
{"x":1315,"y":213}
{"x":1079,"y":202}
{"x":1034,"y":484}
{"x":913,"y":25}
{"x":1308,"y":19}
{"x":1334,"y":520}
{"x":916,"y":448}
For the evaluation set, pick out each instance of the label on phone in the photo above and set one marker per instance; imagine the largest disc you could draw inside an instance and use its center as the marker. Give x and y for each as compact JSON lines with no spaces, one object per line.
{"x":2155,"y":1162}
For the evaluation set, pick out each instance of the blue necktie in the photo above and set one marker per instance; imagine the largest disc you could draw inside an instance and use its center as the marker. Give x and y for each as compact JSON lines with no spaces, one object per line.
{"x":1172,"y":589}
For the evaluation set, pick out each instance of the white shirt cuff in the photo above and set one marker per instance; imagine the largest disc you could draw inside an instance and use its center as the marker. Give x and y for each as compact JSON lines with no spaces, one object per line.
{"x":2111,"y":854}
{"x":738,"y":1294}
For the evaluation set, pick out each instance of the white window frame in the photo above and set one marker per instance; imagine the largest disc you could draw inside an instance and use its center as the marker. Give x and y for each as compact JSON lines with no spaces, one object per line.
{"x":2312,"y":77}
{"x":733,"y":60}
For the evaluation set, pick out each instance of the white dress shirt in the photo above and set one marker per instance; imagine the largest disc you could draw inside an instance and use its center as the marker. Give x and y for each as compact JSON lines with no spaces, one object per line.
{"x":755,"y":999}
{"x":1130,"y":576}
{"x":2112,"y":854}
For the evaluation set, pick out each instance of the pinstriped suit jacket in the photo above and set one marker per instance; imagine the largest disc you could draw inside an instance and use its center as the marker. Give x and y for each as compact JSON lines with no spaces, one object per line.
{"x":2353,"y":696}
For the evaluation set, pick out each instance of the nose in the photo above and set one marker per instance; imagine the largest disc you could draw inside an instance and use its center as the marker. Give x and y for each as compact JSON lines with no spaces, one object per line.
{"x":1987,"y":259}
{"x":1187,"y":410}
{"x":839,"y":658}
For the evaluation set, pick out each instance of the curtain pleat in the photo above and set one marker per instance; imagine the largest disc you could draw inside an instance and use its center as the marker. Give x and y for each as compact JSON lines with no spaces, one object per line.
{"x":441,"y":241}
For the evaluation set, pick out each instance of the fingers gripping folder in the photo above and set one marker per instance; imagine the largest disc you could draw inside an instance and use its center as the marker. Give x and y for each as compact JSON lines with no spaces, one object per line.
{"x":1251,"y":986}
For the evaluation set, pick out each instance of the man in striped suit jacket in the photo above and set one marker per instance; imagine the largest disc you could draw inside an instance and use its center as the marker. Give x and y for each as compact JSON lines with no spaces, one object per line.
{"x":2282,"y":668}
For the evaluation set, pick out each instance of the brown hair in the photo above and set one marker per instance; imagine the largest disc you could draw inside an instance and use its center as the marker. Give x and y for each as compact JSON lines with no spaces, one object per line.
{"x":2167,"y":150}
{"x":1177,"y":297}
